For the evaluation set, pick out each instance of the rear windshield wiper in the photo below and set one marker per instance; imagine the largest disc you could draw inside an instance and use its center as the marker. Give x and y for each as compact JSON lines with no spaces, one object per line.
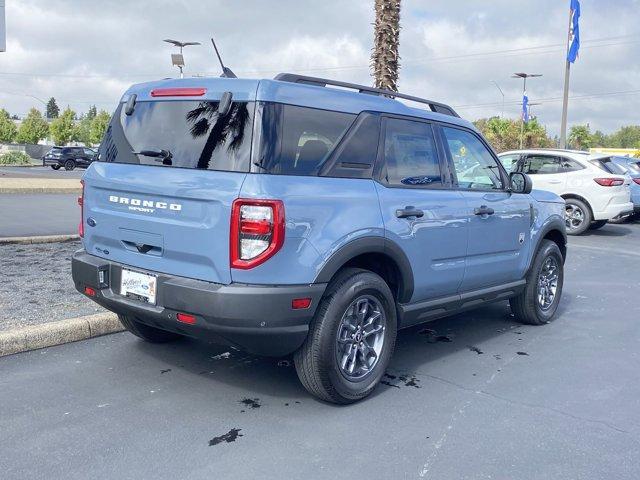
{"x":159,"y":155}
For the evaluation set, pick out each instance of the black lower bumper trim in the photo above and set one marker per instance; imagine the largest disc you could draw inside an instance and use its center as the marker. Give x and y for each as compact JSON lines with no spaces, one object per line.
{"x":255,"y":318}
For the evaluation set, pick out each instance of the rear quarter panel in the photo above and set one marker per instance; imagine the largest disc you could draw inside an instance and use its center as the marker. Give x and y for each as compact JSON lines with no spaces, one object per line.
{"x":322,"y":215}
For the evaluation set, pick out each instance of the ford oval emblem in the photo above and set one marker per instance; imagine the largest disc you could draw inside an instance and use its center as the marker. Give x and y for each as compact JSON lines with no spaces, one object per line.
{"x":91,"y":222}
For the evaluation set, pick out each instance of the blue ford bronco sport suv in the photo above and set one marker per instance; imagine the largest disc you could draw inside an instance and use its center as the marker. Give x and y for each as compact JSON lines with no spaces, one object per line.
{"x":291,"y":216}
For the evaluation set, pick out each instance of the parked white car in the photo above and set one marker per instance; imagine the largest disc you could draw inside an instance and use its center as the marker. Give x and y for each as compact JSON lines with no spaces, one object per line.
{"x":592,"y":194}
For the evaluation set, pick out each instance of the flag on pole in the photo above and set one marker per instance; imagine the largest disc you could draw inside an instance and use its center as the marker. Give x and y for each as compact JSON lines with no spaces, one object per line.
{"x":525,"y":108}
{"x":575,"y":31}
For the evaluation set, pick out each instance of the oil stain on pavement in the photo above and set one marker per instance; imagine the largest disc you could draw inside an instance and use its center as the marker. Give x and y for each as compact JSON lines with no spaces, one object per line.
{"x":251,"y":402}
{"x":231,"y":436}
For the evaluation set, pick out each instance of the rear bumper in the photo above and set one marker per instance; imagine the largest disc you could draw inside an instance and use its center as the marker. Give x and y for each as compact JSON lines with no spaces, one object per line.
{"x":50,"y":161}
{"x":616,"y":210}
{"x":255,"y":318}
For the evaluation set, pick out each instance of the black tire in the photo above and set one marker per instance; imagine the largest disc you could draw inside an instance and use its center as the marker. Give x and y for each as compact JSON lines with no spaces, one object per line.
{"x":598,"y":224}
{"x":317,"y":362}
{"x":69,"y":165}
{"x":55,"y":167}
{"x":145,"y":332}
{"x":575,"y":204}
{"x":526,"y":306}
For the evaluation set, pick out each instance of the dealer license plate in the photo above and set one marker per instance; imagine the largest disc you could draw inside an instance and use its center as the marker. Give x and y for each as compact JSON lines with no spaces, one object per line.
{"x":139,"y":286}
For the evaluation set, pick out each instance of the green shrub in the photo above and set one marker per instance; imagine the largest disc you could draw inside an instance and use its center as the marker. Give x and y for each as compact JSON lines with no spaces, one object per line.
{"x":14,"y":158}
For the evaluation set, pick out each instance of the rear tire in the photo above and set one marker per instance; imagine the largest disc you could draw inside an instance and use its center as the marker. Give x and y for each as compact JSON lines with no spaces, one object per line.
{"x":577,"y":216}
{"x":598,"y":224}
{"x":69,"y":165}
{"x":534,"y":305}
{"x":55,"y":167}
{"x":145,"y":332}
{"x":338,"y":325}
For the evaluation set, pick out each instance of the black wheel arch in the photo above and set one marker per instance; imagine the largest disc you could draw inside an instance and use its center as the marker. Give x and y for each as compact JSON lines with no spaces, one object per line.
{"x":381,"y":255}
{"x":555,"y":231}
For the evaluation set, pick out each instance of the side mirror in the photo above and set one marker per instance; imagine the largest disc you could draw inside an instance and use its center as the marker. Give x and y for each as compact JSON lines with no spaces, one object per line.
{"x":520,"y":182}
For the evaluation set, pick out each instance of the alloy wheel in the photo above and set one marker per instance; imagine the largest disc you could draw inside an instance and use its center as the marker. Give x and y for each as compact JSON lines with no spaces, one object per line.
{"x":360,"y":337}
{"x":573,"y":216}
{"x":547,"y":283}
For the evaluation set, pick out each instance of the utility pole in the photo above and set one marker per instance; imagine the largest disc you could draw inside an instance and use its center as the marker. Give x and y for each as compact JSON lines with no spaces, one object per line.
{"x":501,"y":93}
{"x":565,"y":98}
{"x":524,"y":77}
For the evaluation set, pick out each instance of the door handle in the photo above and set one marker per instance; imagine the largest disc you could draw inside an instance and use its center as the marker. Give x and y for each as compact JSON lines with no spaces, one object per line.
{"x":555,"y":181}
{"x":483,"y":210}
{"x":409,"y":211}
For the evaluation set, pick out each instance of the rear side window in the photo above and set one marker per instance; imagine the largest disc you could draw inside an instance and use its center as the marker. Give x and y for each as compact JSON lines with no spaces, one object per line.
{"x":410,"y":155}
{"x":542,"y":164}
{"x":298,"y":140}
{"x":182,"y":134}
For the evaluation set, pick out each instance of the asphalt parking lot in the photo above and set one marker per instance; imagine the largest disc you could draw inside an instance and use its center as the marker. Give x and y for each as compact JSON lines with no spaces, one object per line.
{"x":39,"y":172}
{"x":39,"y":214}
{"x":474,"y":396}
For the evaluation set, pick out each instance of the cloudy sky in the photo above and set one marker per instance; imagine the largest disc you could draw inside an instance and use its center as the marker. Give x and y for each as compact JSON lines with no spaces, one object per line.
{"x":85,"y":52}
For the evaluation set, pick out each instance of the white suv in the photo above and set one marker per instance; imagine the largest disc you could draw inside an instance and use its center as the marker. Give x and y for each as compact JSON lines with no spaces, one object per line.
{"x":592,"y":194}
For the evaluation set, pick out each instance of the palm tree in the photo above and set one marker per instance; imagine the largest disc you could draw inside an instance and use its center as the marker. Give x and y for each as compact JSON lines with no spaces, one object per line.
{"x":385,"y":60}
{"x":206,"y":119}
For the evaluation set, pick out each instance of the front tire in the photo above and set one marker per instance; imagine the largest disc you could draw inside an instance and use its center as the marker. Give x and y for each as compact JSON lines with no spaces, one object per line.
{"x":538,"y":302}
{"x":598,"y":224}
{"x":351,"y":338}
{"x":69,"y":165}
{"x":577,"y":216}
{"x":145,"y":332}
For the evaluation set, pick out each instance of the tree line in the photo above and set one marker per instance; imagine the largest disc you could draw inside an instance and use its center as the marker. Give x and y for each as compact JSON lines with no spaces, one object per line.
{"x":62,"y":127}
{"x":504,"y":134}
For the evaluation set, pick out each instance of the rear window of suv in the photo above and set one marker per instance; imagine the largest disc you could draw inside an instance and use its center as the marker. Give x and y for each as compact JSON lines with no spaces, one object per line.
{"x":190,"y":134}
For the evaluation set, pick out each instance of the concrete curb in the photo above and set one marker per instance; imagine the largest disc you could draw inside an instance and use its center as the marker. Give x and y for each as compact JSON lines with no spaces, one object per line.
{"x":28,"y":190}
{"x":57,"y":333}
{"x":38,"y":239}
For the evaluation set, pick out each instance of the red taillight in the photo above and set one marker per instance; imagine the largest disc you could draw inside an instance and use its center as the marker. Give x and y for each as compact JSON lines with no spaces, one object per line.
{"x":300,"y":303}
{"x":186,"y":318}
{"x":81,"y":203}
{"x":89,"y":291}
{"x":609,"y":182}
{"x":178,"y":92}
{"x":637,"y":180}
{"x":257,"y":231}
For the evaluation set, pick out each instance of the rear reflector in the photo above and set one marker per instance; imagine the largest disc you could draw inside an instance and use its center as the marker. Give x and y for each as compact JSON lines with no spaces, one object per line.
{"x":609,"y":182}
{"x":637,"y":180}
{"x":178,"y":92}
{"x":89,"y":291}
{"x":186,"y":318}
{"x":300,"y":303}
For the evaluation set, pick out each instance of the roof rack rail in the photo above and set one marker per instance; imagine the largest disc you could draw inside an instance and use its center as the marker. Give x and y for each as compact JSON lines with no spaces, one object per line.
{"x":323,"y":82}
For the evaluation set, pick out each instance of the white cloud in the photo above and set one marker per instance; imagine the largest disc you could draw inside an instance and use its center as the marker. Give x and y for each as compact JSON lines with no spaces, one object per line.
{"x":89,"y":52}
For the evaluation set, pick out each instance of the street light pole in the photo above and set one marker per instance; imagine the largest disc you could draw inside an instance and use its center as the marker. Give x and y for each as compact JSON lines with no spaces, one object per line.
{"x":501,"y":93}
{"x":177,"y":59}
{"x":524,"y":77}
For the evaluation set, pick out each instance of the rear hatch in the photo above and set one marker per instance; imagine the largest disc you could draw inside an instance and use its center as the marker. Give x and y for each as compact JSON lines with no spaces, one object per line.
{"x":160,"y":196}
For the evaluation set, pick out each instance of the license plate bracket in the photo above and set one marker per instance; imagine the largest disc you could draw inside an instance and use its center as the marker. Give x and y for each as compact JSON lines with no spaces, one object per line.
{"x":139,"y":286}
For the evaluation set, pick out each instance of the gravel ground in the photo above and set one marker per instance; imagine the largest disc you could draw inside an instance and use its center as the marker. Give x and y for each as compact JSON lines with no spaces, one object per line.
{"x":36,"y":285}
